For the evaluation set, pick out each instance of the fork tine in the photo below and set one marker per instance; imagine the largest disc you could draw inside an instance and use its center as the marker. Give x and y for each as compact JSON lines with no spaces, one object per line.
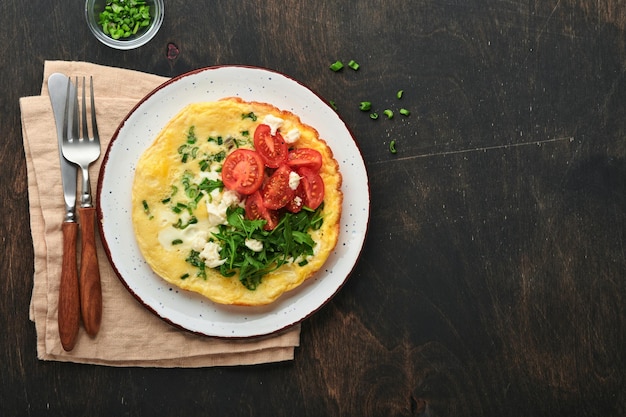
{"x":74,"y":113}
{"x":94,"y":124}
{"x":84,"y":114}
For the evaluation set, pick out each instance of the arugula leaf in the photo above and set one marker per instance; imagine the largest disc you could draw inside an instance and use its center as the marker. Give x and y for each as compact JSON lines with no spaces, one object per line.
{"x":208,"y":185}
{"x":195,"y":260}
{"x":289,"y":241}
{"x":236,"y":219}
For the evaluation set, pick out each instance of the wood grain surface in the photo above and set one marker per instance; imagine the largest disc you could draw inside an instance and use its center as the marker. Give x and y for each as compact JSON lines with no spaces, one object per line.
{"x":493,"y":278}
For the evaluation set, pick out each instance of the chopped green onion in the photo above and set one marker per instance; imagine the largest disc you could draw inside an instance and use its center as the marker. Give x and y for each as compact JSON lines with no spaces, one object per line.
{"x":388,"y":113}
{"x":392,"y":146}
{"x":353,"y":64}
{"x":332,"y":104}
{"x":180,"y":225}
{"x":250,"y":116}
{"x":146,"y":209}
{"x":404,"y":112}
{"x":336,"y":66}
{"x":399,"y":93}
{"x":122,"y":19}
{"x":191,"y":135}
{"x":374,"y":116}
{"x":365,"y":105}
{"x":177,"y":241}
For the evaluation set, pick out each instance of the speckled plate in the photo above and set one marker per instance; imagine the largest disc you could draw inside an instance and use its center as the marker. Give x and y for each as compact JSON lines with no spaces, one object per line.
{"x":189,"y":310}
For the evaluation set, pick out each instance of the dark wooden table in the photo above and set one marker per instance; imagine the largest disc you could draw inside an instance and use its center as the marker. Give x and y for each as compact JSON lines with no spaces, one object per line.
{"x":493,"y":278}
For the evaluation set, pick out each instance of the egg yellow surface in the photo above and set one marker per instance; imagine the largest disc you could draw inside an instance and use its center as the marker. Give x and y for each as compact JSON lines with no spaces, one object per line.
{"x":175,"y":216}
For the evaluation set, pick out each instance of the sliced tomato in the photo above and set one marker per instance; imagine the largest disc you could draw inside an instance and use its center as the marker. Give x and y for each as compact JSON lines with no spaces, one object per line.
{"x":305,"y":158}
{"x":313,"y":186}
{"x":276,"y":192}
{"x":242,"y":171}
{"x":272,"y":148}
{"x":255,"y":209}
{"x":297,"y":202}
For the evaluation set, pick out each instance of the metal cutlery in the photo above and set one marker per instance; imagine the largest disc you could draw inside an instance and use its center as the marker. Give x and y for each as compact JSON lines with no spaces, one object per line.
{"x":83,"y":150}
{"x":69,"y":302}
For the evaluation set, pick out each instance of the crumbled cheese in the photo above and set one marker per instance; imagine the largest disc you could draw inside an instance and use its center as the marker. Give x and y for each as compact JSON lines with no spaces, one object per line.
{"x":254,"y":245}
{"x":230,"y":198}
{"x":198,"y":240}
{"x":218,"y":203}
{"x":273,"y":122}
{"x":211,"y":255}
{"x":292,"y":136}
{"x":294,"y":180}
{"x":211,"y":175}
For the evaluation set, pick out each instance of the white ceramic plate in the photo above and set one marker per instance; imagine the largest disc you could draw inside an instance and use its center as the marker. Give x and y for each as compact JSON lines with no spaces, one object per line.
{"x":189,"y":310}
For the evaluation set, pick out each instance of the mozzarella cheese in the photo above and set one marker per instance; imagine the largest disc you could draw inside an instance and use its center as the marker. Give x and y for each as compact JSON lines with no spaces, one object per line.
{"x":294,"y":180}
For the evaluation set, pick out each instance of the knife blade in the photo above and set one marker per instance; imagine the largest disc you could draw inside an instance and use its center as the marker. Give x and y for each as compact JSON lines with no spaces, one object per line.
{"x":69,"y":301}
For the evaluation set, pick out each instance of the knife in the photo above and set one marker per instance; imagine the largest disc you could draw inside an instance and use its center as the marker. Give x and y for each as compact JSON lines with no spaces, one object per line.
{"x":69,"y":301}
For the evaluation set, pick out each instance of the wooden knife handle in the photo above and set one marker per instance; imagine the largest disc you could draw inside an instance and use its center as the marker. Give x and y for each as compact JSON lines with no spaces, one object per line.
{"x":90,"y":287}
{"x":69,"y":302}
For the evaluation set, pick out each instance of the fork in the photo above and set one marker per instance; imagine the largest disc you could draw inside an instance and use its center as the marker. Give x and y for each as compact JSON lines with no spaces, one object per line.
{"x":83,"y":151}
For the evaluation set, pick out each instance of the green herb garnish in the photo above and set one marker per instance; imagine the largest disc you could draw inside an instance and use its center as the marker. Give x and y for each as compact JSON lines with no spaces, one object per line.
{"x":205,"y":164}
{"x":336,"y":66}
{"x":195,"y":260}
{"x":191,"y":135}
{"x":365,"y":105}
{"x":289,"y":241}
{"x":208,"y":185}
{"x":123,"y":18}
{"x":183,"y":225}
{"x":250,"y":116}
{"x":146,"y":209}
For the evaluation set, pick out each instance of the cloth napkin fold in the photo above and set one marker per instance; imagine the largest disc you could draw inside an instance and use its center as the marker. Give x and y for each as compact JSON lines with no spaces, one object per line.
{"x":130,"y":335}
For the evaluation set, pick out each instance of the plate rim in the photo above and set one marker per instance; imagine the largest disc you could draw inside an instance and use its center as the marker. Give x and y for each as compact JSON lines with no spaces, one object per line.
{"x":100,"y":214}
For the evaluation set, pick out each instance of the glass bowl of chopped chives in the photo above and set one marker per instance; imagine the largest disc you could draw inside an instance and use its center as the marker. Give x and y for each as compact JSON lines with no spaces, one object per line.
{"x":124,"y":24}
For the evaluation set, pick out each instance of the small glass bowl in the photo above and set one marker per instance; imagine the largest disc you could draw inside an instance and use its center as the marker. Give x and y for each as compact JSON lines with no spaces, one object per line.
{"x":93,"y":8}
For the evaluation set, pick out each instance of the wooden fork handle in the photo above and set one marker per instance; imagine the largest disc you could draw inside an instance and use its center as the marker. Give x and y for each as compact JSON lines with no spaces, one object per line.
{"x":90,"y":286}
{"x":69,"y":302}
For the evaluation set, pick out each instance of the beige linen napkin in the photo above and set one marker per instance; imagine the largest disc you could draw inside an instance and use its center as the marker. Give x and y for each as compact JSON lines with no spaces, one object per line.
{"x":130,"y":335}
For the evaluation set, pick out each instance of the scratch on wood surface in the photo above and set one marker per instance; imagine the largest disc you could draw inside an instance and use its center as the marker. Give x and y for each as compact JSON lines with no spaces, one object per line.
{"x":479,"y":149}
{"x":545,"y":24}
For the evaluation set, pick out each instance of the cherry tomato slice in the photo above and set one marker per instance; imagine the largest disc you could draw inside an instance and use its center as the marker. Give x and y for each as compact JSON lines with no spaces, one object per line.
{"x":297,"y":202}
{"x":305,"y":157}
{"x":276,"y":192}
{"x":313,"y":186}
{"x":256,"y":210}
{"x":242,"y":171}
{"x":272,"y":148}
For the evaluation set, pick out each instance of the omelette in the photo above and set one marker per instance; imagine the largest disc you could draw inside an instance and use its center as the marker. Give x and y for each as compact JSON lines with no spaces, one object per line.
{"x":237,"y":201}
